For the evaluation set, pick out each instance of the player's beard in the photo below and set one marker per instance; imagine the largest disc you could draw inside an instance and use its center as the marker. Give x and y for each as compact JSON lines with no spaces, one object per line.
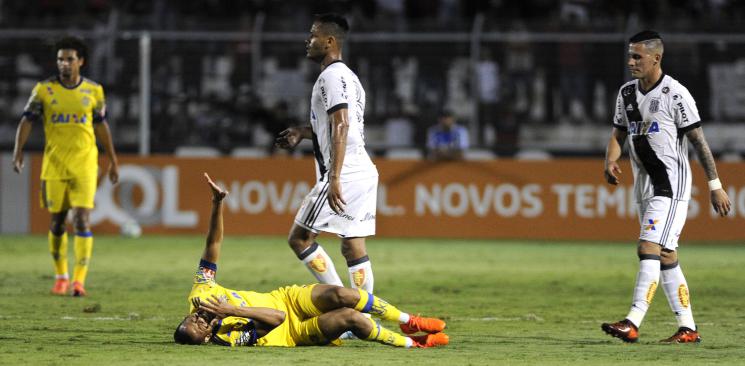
{"x":317,"y":56}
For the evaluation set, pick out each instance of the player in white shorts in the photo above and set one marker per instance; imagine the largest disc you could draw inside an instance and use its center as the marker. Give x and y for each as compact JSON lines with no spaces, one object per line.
{"x":343,"y":201}
{"x":660,"y":116}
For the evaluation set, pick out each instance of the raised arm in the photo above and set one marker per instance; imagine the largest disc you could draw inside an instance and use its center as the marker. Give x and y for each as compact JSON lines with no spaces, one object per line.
{"x":103,"y":134}
{"x":339,"y":129}
{"x":719,"y":199}
{"x":612,"y":154}
{"x":22,"y":133}
{"x":214,"y":235}
{"x":292,"y":136}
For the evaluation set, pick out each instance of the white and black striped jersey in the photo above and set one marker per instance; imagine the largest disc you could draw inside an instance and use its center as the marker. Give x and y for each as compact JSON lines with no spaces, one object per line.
{"x":656,"y":122}
{"x":338,"y":88}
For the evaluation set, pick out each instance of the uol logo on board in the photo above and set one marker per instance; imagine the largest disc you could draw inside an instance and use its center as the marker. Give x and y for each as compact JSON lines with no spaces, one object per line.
{"x":651,"y":225}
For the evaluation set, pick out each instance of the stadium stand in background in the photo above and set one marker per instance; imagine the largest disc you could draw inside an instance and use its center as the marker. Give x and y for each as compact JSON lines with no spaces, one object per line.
{"x":532,"y":78}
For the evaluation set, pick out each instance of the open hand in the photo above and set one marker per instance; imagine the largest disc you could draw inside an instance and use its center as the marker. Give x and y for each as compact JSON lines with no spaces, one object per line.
{"x":217,"y":193}
{"x":289,"y":138}
{"x":217,"y":306}
{"x":720,"y":201}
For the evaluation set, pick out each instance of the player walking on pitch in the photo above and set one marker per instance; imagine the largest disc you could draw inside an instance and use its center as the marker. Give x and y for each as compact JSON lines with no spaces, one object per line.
{"x":659,"y":115}
{"x":288,"y":316}
{"x":343,"y":201}
{"x":73,"y":111}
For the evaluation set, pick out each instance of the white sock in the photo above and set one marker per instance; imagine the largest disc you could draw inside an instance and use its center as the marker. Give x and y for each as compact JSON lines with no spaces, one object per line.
{"x":404,"y":318}
{"x":320,"y":265}
{"x":676,"y":290}
{"x":361,"y":274}
{"x":409,"y":342}
{"x":646,"y":285}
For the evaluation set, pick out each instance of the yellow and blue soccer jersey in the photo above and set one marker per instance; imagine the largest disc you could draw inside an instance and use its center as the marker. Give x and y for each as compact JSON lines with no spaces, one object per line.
{"x":236,"y":331}
{"x":68,"y":115}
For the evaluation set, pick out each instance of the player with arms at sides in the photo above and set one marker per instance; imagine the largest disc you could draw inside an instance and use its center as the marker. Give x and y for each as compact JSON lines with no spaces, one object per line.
{"x":72,"y":109}
{"x":288,"y":316}
{"x":659,"y":116}
{"x":343,"y":200}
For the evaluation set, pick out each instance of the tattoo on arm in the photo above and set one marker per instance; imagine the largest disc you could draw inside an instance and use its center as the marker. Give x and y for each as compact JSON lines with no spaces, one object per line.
{"x":696,"y":136}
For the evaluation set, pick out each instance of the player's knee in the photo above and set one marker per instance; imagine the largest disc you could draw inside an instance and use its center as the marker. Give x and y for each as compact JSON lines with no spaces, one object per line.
{"x":57,"y":225}
{"x":669,"y":258}
{"x":353,"y":319}
{"x":345,"y":297}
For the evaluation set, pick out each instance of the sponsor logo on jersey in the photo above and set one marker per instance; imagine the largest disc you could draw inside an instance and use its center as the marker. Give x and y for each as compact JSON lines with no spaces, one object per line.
{"x":682,"y":110}
{"x":650,"y":292}
{"x":49,"y":90}
{"x":683,"y":296}
{"x":318,"y":264}
{"x":68,"y":117}
{"x":344,"y":216}
{"x":654,"y":106}
{"x":643,"y":127}
{"x":629,"y":108}
{"x":358,"y":277}
{"x":368,"y":217}
{"x":651,"y":225}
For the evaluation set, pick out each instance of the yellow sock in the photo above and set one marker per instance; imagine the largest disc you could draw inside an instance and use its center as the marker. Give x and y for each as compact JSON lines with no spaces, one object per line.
{"x":386,"y":336}
{"x":374,"y":305}
{"x":58,"y":248}
{"x":83,"y":250}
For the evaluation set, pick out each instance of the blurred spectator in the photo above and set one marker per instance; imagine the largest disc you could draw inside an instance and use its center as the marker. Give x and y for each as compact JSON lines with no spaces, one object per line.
{"x":447,"y":140}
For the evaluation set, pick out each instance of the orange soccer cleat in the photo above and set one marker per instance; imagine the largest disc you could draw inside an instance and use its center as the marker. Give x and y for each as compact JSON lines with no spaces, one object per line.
{"x":625,"y":330}
{"x":422,"y":324}
{"x":60,"y":286}
{"x":430,"y":340}
{"x":684,"y":335}
{"x":77,"y":289}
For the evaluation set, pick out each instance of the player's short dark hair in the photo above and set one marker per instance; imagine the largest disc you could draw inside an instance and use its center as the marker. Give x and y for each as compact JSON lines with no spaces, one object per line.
{"x":334,"y":24}
{"x":445,"y":113}
{"x":645,"y":35}
{"x":72,"y":43}
{"x":181,"y":336}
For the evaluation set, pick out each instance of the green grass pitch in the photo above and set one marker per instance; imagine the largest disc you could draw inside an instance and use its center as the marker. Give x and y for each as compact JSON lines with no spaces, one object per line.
{"x":506,"y":303}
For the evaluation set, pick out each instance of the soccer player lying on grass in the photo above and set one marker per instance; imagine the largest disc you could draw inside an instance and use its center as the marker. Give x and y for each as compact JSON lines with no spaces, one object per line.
{"x":288,"y":316}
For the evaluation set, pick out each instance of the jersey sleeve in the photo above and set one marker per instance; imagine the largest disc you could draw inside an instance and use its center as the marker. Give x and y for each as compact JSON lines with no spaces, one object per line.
{"x":619,"y":116}
{"x":333,"y":88}
{"x":685,"y":113}
{"x":99,"y":110}
{"x":34,"y":108}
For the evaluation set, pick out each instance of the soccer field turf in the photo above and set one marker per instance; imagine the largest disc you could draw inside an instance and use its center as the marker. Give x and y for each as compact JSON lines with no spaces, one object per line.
{"x":505,"y":302}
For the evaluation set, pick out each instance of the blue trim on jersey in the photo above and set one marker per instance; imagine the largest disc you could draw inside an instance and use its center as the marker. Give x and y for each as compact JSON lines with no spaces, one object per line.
{"x":31,"y":116}
{"x":368,"y":306}
{"x":207,"y":264}
{"x":84,"y":234}
{"x":99,"y":118}
{"x":70,"y":87}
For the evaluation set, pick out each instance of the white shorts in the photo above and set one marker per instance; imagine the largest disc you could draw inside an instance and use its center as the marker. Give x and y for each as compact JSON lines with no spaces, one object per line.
{"x":661,"y":220}
{"x":358,"y":218}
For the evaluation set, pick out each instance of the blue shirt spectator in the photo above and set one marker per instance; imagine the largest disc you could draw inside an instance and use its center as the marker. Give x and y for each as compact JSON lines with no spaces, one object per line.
{"x":447,"y":140}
